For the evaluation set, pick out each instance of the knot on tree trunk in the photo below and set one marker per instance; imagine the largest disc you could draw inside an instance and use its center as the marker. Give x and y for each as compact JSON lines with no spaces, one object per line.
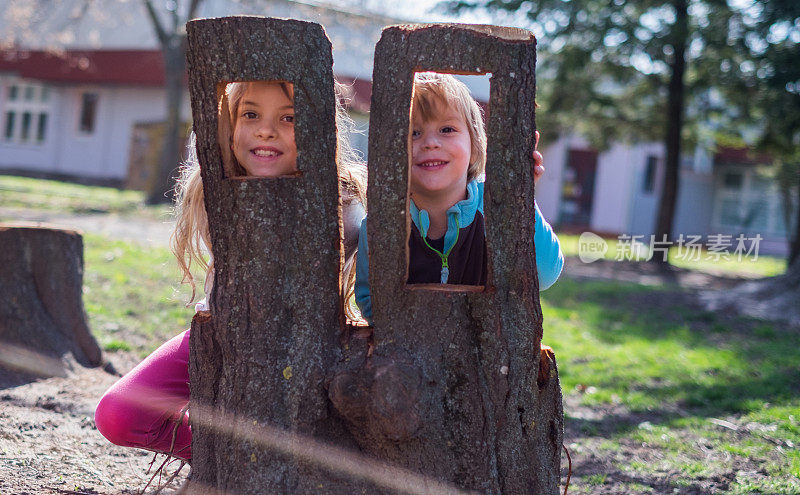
{"x":381,"y":399}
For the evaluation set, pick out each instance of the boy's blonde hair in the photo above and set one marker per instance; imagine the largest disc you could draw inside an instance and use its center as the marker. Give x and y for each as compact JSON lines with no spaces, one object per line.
{"x":191,"y":242}
{"x":431,"y":90}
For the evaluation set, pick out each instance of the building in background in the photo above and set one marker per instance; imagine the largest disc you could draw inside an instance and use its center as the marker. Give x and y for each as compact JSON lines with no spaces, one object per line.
{"x":617,"y":191}
{"x":92,"y":107}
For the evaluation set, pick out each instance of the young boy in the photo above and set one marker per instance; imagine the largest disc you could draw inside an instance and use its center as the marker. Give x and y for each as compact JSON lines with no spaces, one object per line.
{"x":448,"y":158}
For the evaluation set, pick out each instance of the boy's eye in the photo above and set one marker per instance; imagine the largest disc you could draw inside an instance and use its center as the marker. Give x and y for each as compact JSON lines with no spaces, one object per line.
{"x":414,"y":133}
{"x":288,"y":118}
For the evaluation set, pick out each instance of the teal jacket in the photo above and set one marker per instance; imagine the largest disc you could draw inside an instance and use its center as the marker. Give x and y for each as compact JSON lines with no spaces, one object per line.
{"x":460,"y":217}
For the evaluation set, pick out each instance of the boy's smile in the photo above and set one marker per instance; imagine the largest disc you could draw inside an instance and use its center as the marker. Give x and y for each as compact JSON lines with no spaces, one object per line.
{"x":440,"y":156}
{"x":263,"y":135}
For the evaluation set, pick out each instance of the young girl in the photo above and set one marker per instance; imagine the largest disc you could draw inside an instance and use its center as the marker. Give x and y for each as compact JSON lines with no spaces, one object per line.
{"x":448,"y":158}
{"x":256,"y":139}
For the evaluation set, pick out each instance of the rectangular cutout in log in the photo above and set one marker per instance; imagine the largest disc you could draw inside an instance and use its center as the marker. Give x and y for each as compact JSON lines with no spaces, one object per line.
{"x":446,"y":251}
{"x":470,"y":410}
{"x":507,"y":54}
{"x":256,"y":129}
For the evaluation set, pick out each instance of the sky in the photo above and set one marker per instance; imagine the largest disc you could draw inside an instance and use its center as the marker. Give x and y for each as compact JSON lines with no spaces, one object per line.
{"x":419,"y":11}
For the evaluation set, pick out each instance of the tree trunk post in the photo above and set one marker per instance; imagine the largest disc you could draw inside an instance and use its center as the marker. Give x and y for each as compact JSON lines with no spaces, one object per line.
{"x":261,"y":356}
{"x":450,"y":384}
{"x":451,"y":387}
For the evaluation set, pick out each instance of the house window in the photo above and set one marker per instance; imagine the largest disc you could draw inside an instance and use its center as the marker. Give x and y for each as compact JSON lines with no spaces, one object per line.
{"x":649,"y":184}
{"x":747,"y":202}
{"x":9,"y":132}
{"x":732,"y":180}
{"x":26,"y":113}
{"x":88,"y":113}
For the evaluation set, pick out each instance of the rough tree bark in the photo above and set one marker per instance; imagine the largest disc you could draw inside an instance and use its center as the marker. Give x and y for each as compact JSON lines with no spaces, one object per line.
{"x":43,"y":328}
{"x":274,"y":334}
{"x":449,"y":384}
{"x":451,"y":388}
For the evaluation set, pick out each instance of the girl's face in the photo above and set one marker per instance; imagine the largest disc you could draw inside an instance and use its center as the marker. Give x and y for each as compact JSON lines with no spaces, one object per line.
{"x":440,"y":153}
{"x":263,"y":133}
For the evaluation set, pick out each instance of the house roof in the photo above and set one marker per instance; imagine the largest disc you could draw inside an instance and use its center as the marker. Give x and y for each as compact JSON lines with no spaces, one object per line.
{"x":727,"y":155}
{"x":123,"y":67}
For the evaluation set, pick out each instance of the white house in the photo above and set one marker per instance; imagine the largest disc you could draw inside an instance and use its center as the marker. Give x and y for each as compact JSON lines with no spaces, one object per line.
{"x":617,"y":191}
{"x":72,"y":111}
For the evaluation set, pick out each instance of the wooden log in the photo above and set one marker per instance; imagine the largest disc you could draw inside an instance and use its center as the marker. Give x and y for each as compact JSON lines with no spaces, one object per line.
{"x":451,"y":388}
{"x":43,"y":326}
{"x":272,"y":335}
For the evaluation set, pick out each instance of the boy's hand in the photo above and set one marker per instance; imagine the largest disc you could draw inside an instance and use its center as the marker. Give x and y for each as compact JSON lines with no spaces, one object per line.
{"x":538,"y":159}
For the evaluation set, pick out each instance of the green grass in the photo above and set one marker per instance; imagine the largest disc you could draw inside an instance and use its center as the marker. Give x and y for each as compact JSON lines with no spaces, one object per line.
{"x":634,"y":348}
{"x":132,"y":294}
{"x":596,"y":479}
{"x":64,"y":197}
{"x":643,"y":349}
{"x":764,"y":265}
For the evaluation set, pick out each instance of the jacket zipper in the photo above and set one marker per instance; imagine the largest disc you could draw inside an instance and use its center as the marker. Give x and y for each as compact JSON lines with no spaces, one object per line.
{"x":445,"y":274}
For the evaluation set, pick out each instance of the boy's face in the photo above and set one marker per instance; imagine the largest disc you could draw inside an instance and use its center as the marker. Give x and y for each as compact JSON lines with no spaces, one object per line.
{"x":440,"y":154}
{"x":263,"y":135}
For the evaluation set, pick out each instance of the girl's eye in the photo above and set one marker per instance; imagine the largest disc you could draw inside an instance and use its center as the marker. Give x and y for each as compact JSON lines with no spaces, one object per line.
{"x":288,"y":118}
{"x":414,"y":133}
{"x":250,"y":115}
{"x":448,"y":129}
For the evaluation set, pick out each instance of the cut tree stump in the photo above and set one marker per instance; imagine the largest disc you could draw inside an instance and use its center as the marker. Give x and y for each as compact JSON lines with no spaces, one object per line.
{"x":43,"y":327}
{"x":448,"y":392}
{"x":451,"y":388}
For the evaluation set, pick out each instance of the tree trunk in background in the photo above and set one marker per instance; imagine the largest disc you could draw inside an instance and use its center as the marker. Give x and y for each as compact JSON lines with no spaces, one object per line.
{"x":672,"y":141}
{"x":794,"y":243}
{"x":771,"y":298}
{"x":162,"y":185}
{"x":43,"y":327}
{"x":451,"y":391}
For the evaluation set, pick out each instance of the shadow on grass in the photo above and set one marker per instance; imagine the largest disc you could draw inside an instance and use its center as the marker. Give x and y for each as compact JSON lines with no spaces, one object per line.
{"x":650,"y":347}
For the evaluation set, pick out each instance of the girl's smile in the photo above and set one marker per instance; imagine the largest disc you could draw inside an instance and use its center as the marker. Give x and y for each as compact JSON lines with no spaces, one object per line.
{"x":263,"y":134}
{"x":266,"y":153}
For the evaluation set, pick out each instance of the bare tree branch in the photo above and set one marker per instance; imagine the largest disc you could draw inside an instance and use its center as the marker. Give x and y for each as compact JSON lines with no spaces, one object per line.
{"x":174,"y":14}
{"x":162,"y":35}
{"x":192,"y":10}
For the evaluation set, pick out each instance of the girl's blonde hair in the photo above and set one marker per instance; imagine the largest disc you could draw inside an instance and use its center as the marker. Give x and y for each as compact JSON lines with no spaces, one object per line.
{"x":191,"y":242}
{"x":431,"y":91}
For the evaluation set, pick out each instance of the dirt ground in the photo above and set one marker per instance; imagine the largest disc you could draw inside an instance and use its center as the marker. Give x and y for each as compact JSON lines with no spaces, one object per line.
{"x":49,"y":443}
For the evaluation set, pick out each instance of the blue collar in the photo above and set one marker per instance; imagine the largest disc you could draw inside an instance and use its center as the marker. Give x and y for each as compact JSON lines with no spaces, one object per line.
{"x":460,"y":214}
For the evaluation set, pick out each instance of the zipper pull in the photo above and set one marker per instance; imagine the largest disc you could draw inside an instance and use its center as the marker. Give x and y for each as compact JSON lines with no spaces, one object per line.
{"x":445,"y":271}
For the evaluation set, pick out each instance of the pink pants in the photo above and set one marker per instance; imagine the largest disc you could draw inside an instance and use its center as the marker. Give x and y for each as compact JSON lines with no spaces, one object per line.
{"x":141,"y":409}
